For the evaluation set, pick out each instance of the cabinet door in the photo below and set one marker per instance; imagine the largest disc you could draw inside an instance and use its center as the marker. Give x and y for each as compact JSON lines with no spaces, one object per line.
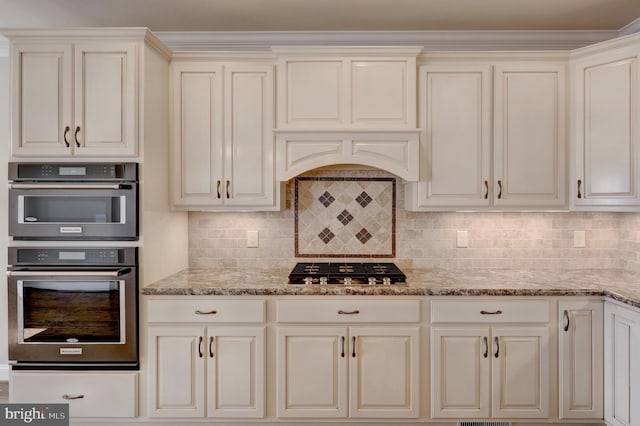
{"x":197,"y":134}
{"x":455,"y":113}
{"x":520,"y":372}
{"x":621,"y":370}
{"x":606,"y":120}
{"x":580,"y":360}
{"x":41,"y":91}
{"x":105,"y":106}
{"x":312,"y":372}
{"x":235,"y":378}
{"x":249,"y":141}
{"x":176,"y":379}
{"x":380,"y":388}
{"x":460,"y":372}
{"x":529,"y":135}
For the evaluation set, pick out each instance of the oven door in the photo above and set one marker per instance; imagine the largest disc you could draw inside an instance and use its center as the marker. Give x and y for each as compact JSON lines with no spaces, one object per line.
{"x":73,"y":211}
{"x":73,"y":316}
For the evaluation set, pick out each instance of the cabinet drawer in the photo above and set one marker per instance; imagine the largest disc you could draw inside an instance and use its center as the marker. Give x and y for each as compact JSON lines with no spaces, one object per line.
{"x":205,"y":311}
{"x":348,"y":311}
{"x":489,"y":311}
{"x":97,"y":394}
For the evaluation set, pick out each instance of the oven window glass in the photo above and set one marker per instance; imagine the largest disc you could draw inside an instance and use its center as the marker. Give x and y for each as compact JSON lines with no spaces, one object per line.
{"x":72,"y":209}
{"x":71,"y":311}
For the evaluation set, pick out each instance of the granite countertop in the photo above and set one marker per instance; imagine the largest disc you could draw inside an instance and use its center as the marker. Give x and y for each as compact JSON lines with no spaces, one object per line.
{"x":617,"y":284}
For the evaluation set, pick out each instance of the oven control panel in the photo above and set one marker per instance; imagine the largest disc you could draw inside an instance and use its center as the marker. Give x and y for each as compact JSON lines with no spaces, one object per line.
{"x":24,"y":256}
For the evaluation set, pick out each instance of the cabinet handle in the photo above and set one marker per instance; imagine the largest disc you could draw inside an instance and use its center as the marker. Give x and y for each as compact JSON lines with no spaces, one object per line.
{"x":486,"y":189}
{"x":566,"y":320}
{"x":342,"y":347}
{"x":354,"y":312}
{"x":66,"y":133}
{"x":353,"y":347}
{"x":228,"y":183}
{"x":218,"y":189}
{"x":211,"y":347}
{"x":200,"y":347}
{"x":498,"y":312}
{"x":499,"y":189}
{"x":199,"y":312}
{"x":485,"y":342}
{"x":496,"y":340}
{"x":70,"y":397}
{"x":75,"y":136}
{"x":579,"y":188}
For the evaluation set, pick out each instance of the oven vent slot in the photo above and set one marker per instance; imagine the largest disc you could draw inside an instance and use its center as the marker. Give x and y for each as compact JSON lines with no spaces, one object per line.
{"x":480,"y":423}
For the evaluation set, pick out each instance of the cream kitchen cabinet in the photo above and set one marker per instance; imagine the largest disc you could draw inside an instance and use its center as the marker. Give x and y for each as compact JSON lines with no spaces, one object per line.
{"x":605,"y":126}
{"x":492,"y":371}
{"x":356,"y":371}
{"x":621,"y":369}
{"x":223,"y":144}
{"x":580,"y":359}
{"x":73,"y":98}
{"x":200,"y":365}
{"x":492,"y":136}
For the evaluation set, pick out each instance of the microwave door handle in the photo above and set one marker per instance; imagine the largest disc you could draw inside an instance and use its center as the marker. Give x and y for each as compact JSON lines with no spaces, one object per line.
{"x":117,"y":273}
{"x":74,"y":186}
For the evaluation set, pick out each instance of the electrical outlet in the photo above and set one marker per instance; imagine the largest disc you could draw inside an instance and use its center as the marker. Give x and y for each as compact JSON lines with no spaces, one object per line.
{"x":462,"y":239}
{"x":579,"y":239}
{"x":252,"y":239}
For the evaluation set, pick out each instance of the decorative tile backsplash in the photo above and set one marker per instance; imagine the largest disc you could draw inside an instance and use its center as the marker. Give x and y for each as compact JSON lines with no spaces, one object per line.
{"x":344,"y":217}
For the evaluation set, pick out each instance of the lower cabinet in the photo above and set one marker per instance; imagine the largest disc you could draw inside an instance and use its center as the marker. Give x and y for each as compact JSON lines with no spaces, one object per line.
{"x":621,"y":366}
{"x":490,"y":371}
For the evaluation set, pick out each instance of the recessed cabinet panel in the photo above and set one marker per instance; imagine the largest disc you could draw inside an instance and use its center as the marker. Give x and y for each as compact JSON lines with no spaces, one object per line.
{"x":42,"y":99}
{"x":313,"y":92}
{"x":379,"y":93}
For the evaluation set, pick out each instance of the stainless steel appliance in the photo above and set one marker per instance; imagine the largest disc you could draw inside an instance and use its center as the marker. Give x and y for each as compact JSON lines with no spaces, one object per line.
{"x":73,"y":307}
{"x":347,"y":274}
{"x":73,"y":201}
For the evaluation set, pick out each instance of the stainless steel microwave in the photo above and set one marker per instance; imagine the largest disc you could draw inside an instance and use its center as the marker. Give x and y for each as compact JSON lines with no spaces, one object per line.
{"x":73,"y":201}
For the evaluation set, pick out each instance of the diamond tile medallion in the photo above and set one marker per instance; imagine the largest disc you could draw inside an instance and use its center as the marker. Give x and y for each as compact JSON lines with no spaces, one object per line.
{"x":345,"y":217}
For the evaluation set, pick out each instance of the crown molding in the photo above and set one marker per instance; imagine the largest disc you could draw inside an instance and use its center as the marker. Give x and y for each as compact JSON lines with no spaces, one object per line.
{"x":631,"y":28}
{"x":624,"y":42}
{"x":431,"y":40}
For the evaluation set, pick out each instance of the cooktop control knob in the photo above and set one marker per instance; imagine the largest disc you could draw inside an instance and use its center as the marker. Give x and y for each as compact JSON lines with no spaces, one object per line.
{"x":372,"y":280}
{"x":386,"y":281}
{"x":323,"y":280}
{"x":347,"y":280}
{"x":308,"y":280}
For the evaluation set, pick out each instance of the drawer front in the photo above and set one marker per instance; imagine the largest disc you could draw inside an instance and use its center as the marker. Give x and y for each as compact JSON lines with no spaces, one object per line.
{"x":348,"y":311}
{"x":206,"y":311}
{"x":88,"y":395}
{"x":489,"y":311}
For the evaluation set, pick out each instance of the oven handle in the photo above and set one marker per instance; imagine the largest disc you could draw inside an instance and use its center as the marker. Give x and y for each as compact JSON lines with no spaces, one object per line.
{"x":74,"y":186}
{"x":117,"y":273}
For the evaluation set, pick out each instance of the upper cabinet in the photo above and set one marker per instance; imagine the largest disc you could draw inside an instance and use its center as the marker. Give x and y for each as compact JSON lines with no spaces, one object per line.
{"x":605,"y":126}
{"x":74,"y":98}
{"x":492,"y":136}
{"x":222,"y":136}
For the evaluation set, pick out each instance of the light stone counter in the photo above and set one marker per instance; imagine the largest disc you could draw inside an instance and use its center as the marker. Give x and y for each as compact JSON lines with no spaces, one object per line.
{"x":620,"y":285}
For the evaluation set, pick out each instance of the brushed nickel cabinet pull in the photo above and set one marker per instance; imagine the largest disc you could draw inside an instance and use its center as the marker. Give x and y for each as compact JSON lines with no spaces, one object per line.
{"x":228,"y":183}
{"x":486,"y":189}
{"x":566,"y":320}
{"x":354,"y":312}
{"x":211,"y":347}
{"x":218,"y":188}
{"x":353,"y":347}
{"x":499,"y":189}
{"x":498,"y":312}
{"x":199,"y":312}
{"x":579,"y":188}
{"x":200,"y":339}
{"x":497,"y":342}
{"x":485,"y":342}
{"x":342,"y":346}
{"x":75,"y":136}
{"x":70,"y":397}
{"x":66,"y":132}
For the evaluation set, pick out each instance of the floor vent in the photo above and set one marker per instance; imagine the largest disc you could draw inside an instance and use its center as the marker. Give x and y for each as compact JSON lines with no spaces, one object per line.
{"x":484,"y":423}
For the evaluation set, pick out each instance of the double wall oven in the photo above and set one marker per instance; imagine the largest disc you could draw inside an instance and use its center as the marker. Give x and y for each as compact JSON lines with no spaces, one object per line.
{"x":73,"y":303}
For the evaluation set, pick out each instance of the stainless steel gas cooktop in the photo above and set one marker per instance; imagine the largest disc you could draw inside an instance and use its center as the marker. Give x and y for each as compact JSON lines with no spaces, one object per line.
{"x":347,"y":274}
